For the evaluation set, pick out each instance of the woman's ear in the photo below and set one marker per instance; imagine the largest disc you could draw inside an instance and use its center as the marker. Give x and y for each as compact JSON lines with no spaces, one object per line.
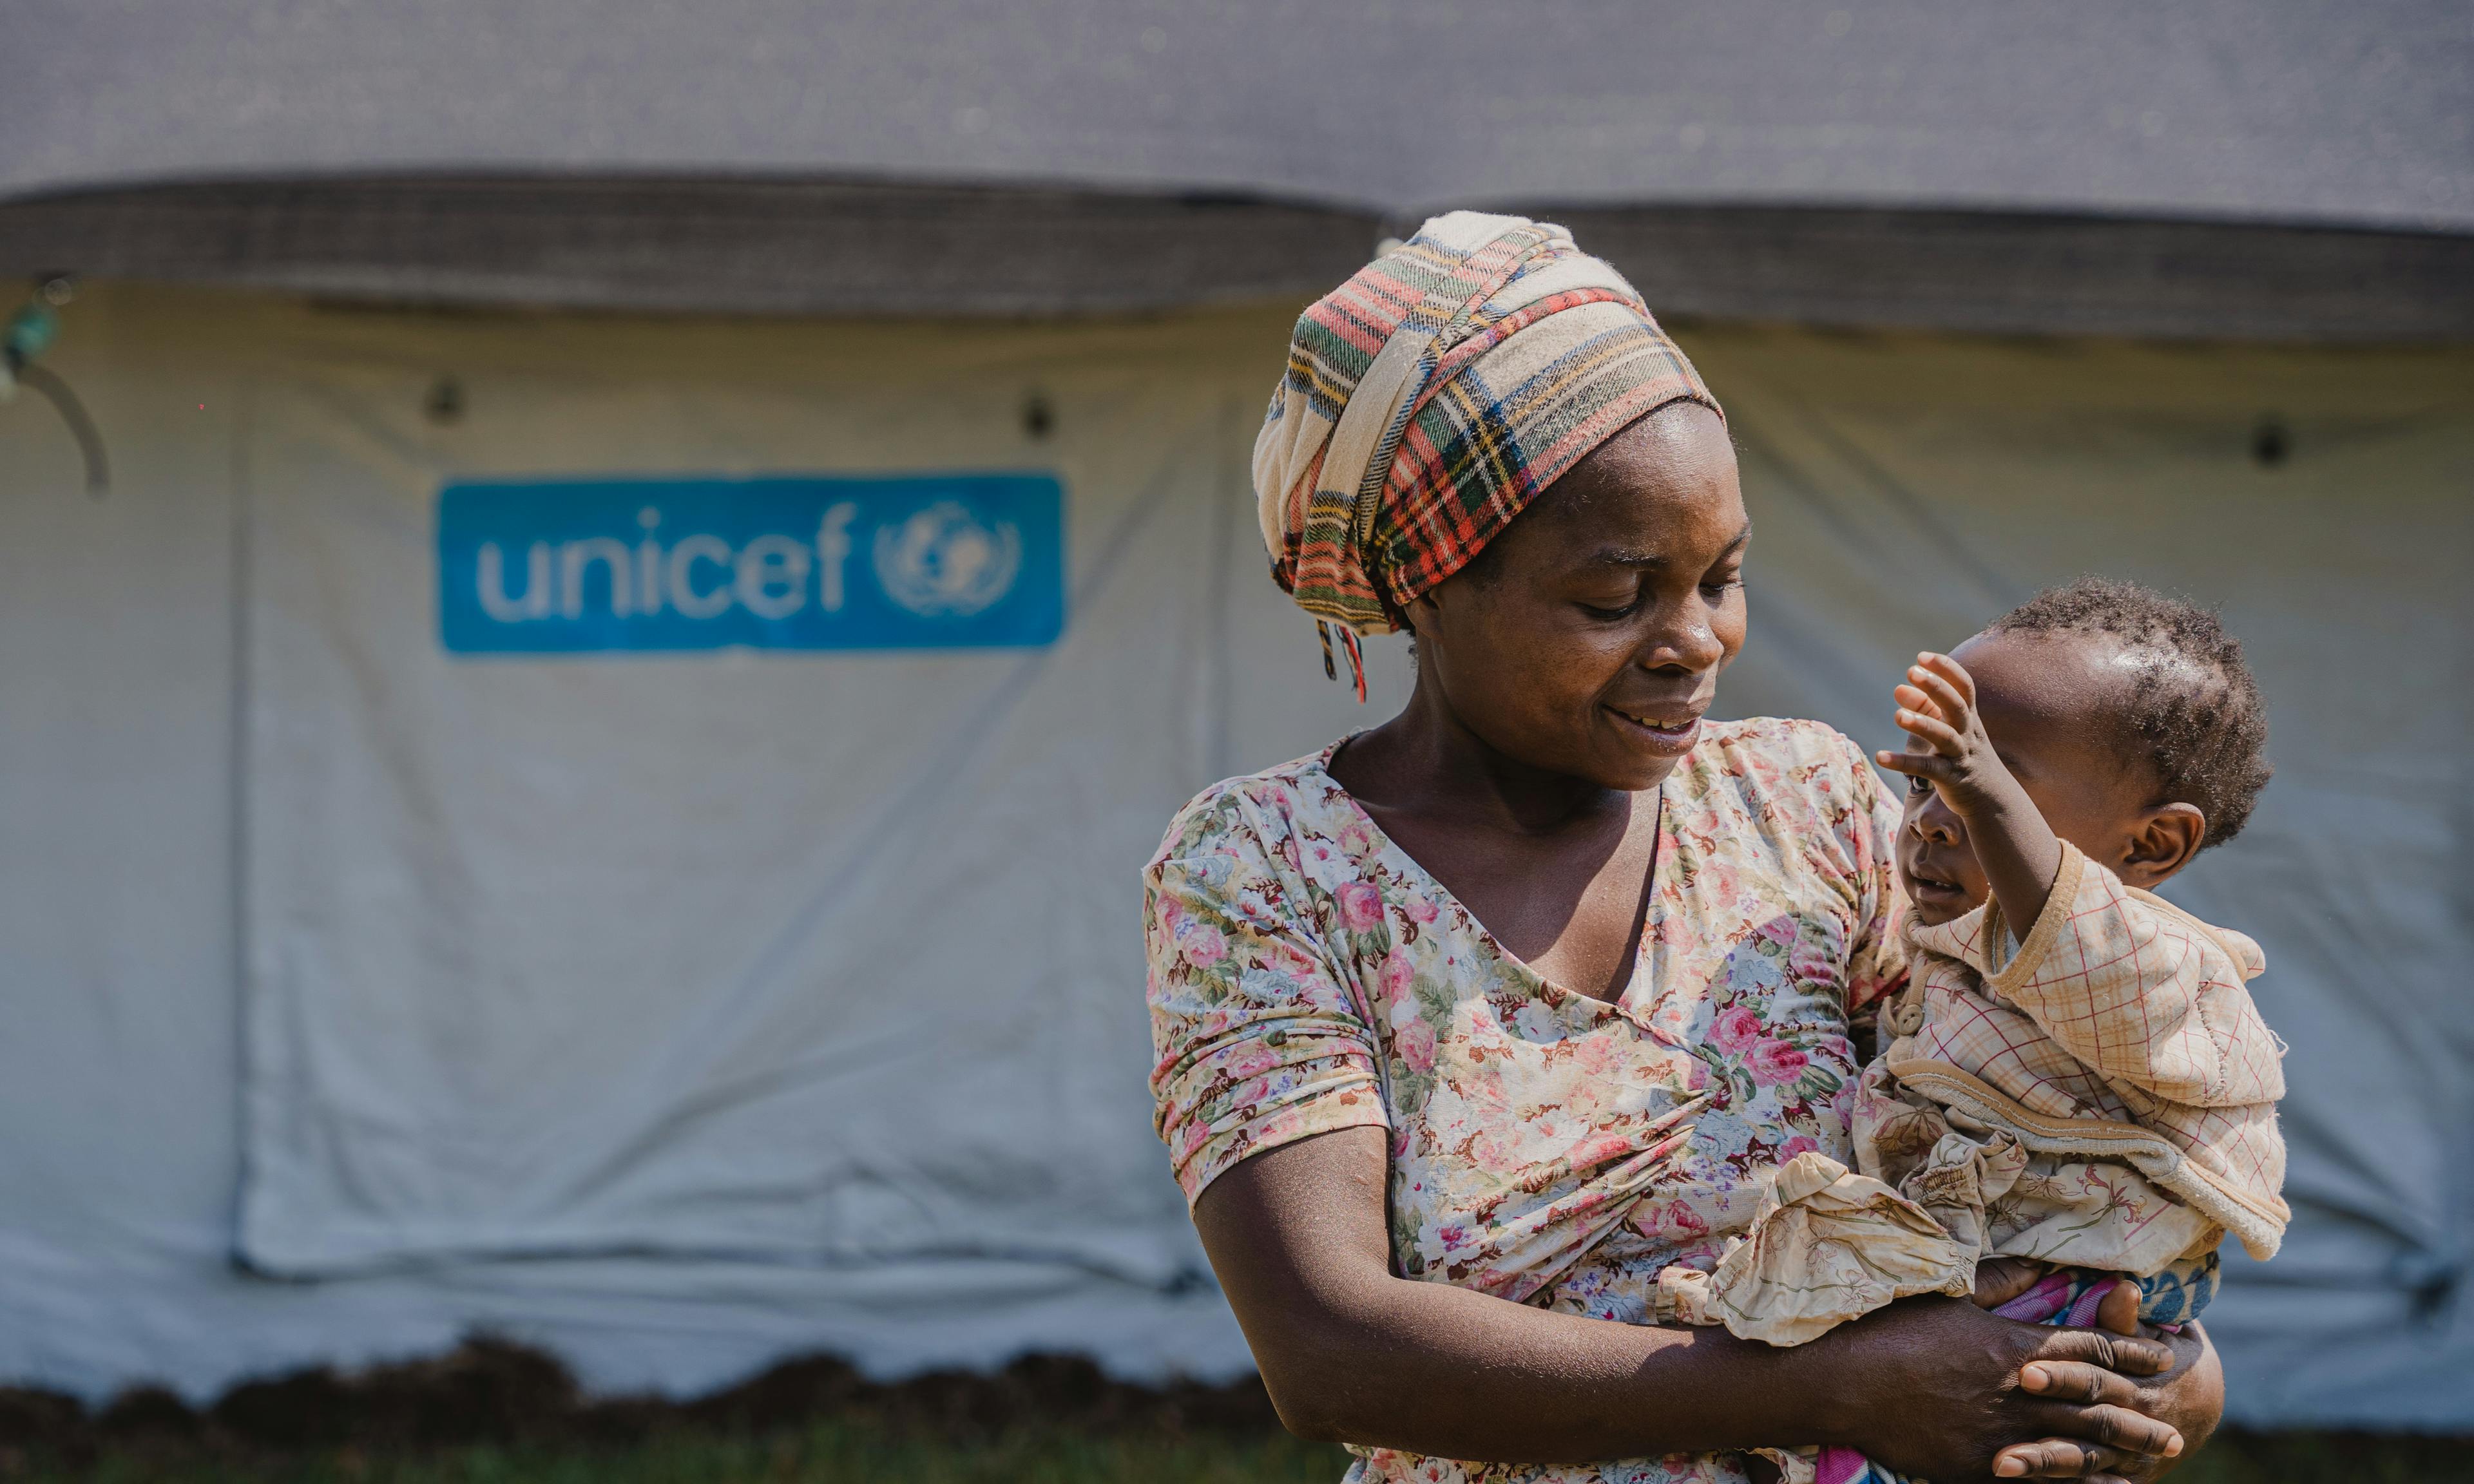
{"x":1420,"y":616}
{"x":2161,"y":843}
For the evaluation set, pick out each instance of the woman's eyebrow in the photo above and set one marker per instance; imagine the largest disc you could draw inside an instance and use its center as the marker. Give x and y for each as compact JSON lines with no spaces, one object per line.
{"x":1637,"y":557}
{"x":1625,"y":556}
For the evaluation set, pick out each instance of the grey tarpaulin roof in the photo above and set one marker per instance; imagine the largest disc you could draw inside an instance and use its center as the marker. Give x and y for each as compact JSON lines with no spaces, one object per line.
{"x":2317,"y":155}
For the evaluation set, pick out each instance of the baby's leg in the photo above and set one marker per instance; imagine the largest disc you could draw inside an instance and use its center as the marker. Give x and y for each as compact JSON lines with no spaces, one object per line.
{"x":2176,"y":1295}
{"x":2075,"y":1297}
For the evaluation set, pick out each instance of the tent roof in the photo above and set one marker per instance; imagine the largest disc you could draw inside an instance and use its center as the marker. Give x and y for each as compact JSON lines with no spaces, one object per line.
{"x":2358,"y":114}
{"x":2353,"y":117}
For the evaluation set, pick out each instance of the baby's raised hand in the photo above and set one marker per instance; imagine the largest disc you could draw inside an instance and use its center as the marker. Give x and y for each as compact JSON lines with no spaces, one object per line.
{"x":1947,"y":747}
{"x":1937,"y":709}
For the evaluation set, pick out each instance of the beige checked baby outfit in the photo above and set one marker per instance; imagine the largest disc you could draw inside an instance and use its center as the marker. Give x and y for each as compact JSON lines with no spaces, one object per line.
{"x":2103,"y":1098}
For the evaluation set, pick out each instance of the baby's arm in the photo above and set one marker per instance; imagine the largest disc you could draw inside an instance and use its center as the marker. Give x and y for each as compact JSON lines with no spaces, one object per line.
{"x":1947,"y":744}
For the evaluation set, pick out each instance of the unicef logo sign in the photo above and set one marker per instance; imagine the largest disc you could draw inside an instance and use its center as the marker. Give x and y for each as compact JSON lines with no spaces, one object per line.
{"x":944,"y":561}
{"x":774,"y":562}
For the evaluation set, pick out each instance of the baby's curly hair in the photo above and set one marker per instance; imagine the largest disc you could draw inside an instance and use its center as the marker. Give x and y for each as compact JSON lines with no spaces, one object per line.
{"x":2200,"y":722}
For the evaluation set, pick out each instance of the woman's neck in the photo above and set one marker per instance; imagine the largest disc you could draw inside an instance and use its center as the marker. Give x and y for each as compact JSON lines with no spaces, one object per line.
{"x":1426,"y":761}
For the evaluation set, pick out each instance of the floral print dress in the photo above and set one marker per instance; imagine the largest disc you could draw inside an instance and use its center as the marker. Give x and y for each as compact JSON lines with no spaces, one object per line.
{"x":1547,"y":1147}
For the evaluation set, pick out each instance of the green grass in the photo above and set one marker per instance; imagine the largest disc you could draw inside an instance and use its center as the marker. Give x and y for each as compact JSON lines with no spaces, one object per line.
{"x":2328,"y":1458}
{"x":834,"y":1452}
{"x":848,"y":1452}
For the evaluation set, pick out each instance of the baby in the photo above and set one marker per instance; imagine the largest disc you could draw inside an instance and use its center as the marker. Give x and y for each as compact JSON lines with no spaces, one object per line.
{"x":2074,"y":1074}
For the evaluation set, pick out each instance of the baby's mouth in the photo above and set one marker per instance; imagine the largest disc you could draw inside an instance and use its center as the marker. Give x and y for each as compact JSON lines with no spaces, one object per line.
{"x":1925,"y":887}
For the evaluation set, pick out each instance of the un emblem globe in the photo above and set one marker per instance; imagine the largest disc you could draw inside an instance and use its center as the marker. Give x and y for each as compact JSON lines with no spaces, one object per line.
{"x":944,"y":561}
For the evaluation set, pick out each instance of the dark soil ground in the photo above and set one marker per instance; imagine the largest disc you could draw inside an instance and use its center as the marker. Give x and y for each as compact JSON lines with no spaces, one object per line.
{"x":496,"y":1413}
{"x":515,"y":1413}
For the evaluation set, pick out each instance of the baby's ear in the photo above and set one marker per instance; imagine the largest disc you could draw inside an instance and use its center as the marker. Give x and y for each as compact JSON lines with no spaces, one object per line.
{"x":2162,"y":842}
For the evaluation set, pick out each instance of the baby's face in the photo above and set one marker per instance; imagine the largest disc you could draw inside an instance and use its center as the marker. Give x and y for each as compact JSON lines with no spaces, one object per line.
{"x":2041,"y":698}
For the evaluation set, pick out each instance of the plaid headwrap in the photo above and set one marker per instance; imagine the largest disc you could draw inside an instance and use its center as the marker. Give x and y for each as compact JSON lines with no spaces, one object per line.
{"x":1430,"y":398}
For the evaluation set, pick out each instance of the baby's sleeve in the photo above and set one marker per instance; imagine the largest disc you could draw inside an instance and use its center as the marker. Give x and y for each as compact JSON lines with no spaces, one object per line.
{"x":2143,"y":994}
{"x":1257,"y":1040}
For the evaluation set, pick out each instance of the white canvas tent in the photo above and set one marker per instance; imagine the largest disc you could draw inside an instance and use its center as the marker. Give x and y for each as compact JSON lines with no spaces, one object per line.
{"x":683,"y":1010}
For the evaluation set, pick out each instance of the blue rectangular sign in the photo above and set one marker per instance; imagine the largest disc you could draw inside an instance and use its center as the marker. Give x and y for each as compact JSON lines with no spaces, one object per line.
{"x":903,"y":561}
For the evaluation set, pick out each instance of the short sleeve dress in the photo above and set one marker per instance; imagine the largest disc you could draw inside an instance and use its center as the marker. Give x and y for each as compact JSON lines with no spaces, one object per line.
{"x":1547,"y":1147}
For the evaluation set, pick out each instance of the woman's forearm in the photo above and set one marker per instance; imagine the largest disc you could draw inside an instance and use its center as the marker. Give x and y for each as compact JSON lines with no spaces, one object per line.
{"x":1351,"y":1354}
{"x":1433,"y":1369}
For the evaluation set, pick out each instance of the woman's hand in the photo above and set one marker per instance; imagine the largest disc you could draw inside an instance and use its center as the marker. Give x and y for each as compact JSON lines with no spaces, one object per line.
{"x":1998,"y":1385}
{"x":2190,"y":1397}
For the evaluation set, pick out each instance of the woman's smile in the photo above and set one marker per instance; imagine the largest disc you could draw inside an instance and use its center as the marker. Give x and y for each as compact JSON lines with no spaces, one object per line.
{"x":1669,"y":733}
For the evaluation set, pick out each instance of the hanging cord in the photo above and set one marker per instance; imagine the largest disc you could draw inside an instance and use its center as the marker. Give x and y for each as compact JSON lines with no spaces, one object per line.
{"x":1356,"y":657}
{"x":89,"y":437}
{"x":29,"y":333}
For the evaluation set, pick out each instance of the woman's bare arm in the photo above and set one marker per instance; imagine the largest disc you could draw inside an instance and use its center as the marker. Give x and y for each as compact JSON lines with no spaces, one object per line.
{"x":1351,"y":1354}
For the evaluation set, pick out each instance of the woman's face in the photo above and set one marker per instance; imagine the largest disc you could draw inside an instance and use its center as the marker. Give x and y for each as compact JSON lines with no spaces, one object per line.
{"x":1589,"y":639}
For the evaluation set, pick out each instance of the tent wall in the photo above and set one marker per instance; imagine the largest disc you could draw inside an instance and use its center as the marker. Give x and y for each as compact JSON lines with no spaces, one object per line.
{"x":714,"y":245}
{"x":191,"y":664}
{"x":754,"y":246}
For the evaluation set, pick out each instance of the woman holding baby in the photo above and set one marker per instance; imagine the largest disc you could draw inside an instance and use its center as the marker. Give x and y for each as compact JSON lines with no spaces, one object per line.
{"x":1474,"y":1025}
